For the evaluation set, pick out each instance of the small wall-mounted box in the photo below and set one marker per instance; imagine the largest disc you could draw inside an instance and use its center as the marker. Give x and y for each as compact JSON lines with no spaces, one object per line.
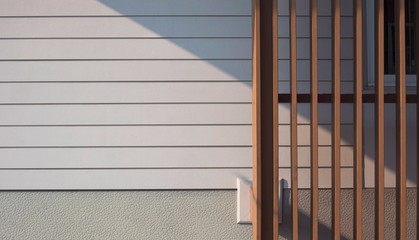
{"x":243,"y":201}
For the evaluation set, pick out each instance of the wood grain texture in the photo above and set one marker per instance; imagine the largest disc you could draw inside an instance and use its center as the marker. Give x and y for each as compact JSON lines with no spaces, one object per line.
{"x":336,"y":132}
{"x":293,"y":117}
{"x":358,"y":120}
{"x":400,"y":46}
{"x":314,"y":119}
{"x":256,"y":193}
{"x":379,"y":119}
{"x":265,"y":116}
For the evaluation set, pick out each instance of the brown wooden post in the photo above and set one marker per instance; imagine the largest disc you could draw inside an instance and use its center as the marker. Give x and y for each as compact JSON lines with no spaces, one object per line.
{"x":293,"y":117}
{"x":314,"y":150}
{"x":357,"y":106}
{"x":400,"y":119}
{"x":265,"y":120}
{"x":336,"y":119}
{"x":379,"y":119}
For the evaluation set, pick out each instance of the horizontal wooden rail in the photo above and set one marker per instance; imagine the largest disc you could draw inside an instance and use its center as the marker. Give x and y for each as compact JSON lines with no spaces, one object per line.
{"x":345,"y":98}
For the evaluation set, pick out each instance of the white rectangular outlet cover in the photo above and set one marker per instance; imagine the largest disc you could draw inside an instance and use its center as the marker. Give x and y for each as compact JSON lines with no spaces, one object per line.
{"x":243,"y":201}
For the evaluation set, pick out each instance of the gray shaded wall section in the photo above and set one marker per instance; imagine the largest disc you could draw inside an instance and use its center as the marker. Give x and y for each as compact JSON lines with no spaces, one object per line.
{"x":170,"y":215}
{"x":325,"y":211}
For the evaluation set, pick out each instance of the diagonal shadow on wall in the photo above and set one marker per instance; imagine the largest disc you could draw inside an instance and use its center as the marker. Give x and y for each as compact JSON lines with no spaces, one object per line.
{"x":235,"y":26}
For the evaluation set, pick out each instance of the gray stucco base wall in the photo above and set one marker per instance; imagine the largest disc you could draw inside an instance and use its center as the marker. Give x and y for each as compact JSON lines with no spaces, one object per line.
{"x":168,"y":215}
{"x":347,"y":214}
{"x":120,"y":215}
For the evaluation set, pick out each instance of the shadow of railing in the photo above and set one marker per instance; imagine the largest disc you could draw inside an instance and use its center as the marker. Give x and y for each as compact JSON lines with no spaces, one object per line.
{"x":240,"y":70}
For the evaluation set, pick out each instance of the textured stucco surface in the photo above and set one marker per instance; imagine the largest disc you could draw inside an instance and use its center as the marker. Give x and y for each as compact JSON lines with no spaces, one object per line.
{"x":170,"y":215}
{"x":120,"y":215}
{"x":347,"y":214}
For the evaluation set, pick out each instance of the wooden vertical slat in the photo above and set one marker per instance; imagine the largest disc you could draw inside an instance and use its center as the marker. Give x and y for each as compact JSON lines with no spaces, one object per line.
{"x":314,"y":150}
{"x":264,"y":201}
{"x":358,"y":152}
{"x":336,"y":119}
{"x":379,"y":119}
{"x":273,"y":18}
{"x":294,"y":150}
{"x":400,"y":119}
{"x":255,"y":207}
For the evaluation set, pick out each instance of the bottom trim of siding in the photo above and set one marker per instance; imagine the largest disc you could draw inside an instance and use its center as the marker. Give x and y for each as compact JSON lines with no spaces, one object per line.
{"x":149,"y":179}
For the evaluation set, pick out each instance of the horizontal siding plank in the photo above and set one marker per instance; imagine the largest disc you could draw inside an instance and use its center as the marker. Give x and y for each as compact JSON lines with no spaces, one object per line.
{"x":137,"y":70}
{"x":126,"y":49}
{"x":121,"y":8}
{"x":325,"y":176}
{"x":125,"y":136}
{"x":182,"y":48}
{"x":323,"y":87}
{"x":324,"y":113}
{"x":193,"y":70}
{"x":154,"y":136}
{"x":168,"y":157}
{"x":155,"y":157}
{"x":106,"y":179}
{"x":324,"y":7}
{"x":303,"y":27}
{"x":156,"y":114}
{"x":121,"y":179}
{"x":324,"y":48}
{"x":324,"y":70}
{"x":325,"y":159}
{"x":31,"y":93}
{"x":154,"y":48}
{"x":122,"y":27}
{"x":145,"y":92}
{"x":325,"y":137}
{"x":153,"y":114}
{"x":157,"y":7}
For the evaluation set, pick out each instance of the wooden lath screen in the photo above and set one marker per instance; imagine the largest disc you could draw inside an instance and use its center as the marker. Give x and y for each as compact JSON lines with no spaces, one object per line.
{"x":264,"y":21}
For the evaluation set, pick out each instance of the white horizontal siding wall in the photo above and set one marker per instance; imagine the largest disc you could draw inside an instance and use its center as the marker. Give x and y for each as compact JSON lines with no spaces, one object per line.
{"x":152,"y":94}
{"x":128,"y":94}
